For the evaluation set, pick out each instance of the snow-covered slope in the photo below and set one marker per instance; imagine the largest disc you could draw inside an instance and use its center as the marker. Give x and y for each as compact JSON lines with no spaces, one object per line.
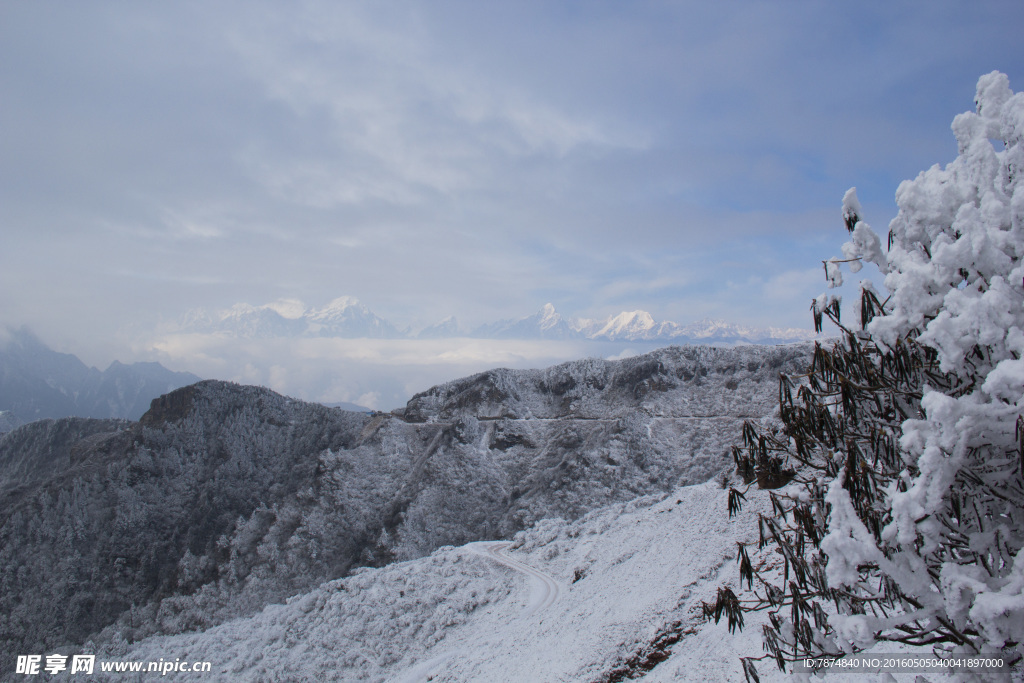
{"x":226,"y":498}
{"x":608,"y":595}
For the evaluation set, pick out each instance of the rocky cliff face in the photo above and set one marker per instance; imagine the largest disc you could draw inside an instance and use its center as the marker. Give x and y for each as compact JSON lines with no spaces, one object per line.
{"x":224,"y":498}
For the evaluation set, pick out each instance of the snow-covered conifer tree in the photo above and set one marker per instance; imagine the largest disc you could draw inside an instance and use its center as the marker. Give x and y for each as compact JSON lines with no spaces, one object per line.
{"x":905,"y":442}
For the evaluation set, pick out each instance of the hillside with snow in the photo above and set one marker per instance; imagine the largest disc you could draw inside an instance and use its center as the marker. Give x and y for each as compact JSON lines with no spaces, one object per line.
{"x":615,"y":594}
{"x":224,"y":499}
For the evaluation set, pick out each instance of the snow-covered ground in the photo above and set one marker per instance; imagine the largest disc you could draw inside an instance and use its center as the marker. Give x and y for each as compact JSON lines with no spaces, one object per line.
{"x":561,"y":602}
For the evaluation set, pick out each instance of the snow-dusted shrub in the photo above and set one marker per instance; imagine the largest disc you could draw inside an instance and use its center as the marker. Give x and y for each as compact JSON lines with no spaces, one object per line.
{"x":905,"y":519}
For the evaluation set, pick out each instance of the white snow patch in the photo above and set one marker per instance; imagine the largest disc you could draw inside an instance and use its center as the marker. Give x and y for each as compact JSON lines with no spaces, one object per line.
{"x":562,"y":602}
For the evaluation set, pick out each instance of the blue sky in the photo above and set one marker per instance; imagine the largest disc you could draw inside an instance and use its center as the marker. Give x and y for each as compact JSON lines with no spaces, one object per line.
{"x":460,"y":158}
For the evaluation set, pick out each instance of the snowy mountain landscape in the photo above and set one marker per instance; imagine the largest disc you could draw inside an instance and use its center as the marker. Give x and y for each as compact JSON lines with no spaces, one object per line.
{"x":411,"y":342}
{"x":225,"y":499}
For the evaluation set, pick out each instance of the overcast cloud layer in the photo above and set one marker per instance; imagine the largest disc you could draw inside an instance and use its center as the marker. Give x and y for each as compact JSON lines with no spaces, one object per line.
{"x":466,"y":158}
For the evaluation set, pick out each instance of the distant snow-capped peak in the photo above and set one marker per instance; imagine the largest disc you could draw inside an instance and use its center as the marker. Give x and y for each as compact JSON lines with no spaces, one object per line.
{"x":548,"y":317}
{"x":546,"y":323}
{"x":290,"y":309}
{"x":709,"y":328}
{"x":627,"y":324}
{"x":345,"y":317}
{"x":443,"y":329}
{"x":340,"y":308}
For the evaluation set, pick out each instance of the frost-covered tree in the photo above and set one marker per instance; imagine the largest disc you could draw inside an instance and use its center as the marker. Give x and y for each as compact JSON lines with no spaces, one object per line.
{"x":898,"y":458}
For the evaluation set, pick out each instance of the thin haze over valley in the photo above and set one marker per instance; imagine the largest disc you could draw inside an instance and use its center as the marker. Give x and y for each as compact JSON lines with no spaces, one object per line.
{"x":450,"y":166}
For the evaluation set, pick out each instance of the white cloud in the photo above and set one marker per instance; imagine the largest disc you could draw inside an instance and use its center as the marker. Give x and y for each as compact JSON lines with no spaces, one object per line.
{"x":399,"y":119}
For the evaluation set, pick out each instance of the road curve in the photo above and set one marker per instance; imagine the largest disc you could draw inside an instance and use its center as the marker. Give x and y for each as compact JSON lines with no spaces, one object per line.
{"x":422,"y":672}
{"x":544,"y":590}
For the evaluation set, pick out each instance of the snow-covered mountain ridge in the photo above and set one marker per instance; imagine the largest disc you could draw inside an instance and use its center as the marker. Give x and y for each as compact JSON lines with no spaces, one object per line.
{"x":223,"y":499}
{"x":345,"y":317}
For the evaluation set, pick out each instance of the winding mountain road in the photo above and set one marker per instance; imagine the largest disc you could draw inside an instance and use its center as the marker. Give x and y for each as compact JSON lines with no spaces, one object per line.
{"x":544,"y":589}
